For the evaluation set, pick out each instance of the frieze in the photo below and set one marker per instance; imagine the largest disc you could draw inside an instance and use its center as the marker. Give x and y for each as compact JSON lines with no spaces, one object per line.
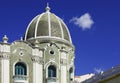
{"x":37,"y":59}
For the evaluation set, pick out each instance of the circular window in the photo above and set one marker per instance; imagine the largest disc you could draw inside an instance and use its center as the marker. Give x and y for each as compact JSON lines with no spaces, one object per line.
{"x":51,"y":52}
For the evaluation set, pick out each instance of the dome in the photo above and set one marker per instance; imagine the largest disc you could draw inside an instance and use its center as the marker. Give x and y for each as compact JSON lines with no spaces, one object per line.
{"x":47,"y":26}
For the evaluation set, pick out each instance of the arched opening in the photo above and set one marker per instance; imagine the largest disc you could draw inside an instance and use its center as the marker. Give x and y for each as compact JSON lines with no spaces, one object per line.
{"x":71,"y":75}
{"x":51,"y":71}
{"x":20,"y":69}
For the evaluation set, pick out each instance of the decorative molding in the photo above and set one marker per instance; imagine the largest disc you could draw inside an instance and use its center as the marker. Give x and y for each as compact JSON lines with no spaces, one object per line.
{"x":51,"y":62}
{"x":52,"y":59}
{"x":4,"y":55}
{"x":21,"y":53}
{"x":72,"y":60}
{"x":63,"y":61}
{"x":37,"y":59}
{"x":63,"y":50}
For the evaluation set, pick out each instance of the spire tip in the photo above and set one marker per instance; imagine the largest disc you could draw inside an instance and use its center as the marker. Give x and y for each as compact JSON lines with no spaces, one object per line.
{"x":47,"y":8}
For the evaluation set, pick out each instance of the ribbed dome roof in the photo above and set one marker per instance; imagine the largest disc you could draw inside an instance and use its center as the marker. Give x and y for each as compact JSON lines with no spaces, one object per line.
{"x":48,"y":26}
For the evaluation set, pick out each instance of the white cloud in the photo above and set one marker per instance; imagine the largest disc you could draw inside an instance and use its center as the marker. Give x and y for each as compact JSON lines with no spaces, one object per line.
{"x":85,"y":21}
{"x":98,"y":70}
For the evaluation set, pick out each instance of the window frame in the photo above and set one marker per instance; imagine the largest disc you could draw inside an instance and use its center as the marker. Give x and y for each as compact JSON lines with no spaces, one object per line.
{"x":21,"y":70}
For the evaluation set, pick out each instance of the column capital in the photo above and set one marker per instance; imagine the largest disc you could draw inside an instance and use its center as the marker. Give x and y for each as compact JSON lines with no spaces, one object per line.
{"x":37,"y":59}
{"x":63,"y":62}
{"x":4,"y":55}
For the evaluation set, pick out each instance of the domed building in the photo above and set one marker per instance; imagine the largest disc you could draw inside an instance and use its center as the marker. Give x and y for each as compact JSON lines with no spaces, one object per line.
{"x":44,"y":55}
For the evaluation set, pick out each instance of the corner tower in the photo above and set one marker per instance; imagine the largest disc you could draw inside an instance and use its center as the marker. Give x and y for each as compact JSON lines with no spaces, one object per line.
{"x":47,"y":31}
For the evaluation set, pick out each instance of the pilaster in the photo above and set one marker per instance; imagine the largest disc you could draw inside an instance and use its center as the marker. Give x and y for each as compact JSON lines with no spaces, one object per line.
{"x":37,"y":66}
{"x":4,"y":58}
{"x":63,"y":63}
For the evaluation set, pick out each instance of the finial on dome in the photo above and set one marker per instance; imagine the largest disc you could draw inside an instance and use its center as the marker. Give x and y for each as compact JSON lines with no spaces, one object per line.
{"x":5,"y":39}
{"x":47,"y":8}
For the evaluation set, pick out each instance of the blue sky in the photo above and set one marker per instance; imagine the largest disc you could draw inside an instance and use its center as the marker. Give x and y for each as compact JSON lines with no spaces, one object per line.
{"x":97,"y":42}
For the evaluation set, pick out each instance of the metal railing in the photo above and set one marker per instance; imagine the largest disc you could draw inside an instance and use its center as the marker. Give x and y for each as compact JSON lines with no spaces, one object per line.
{"x":20,"y":77}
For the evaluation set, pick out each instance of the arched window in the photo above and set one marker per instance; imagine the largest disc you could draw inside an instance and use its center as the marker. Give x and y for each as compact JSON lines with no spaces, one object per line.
{"x":20,"y":69}
{"x":71,"y":74}
{"x":51,"y":71}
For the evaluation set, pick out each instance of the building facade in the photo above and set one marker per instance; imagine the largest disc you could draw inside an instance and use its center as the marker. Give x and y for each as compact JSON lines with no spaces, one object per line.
{"x":109,"y":76}
{"x":79,"y":79}
{"x":44,"y":55}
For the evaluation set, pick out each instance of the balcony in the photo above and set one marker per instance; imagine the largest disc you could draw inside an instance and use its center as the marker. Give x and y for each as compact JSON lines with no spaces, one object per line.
{"x":20,"y":79}
{"x":51,"y":80}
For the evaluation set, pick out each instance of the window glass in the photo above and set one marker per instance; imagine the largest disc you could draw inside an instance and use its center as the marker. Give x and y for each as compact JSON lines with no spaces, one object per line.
{"x":51,"y":71}
{"x":20,"y":69}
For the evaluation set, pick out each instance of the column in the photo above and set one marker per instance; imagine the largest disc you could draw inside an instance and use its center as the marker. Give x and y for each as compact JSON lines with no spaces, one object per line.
{"x":37,"y":66}
{"x":37,"y":73}
{"x":5,"y":69}
{"x":63,"y":62}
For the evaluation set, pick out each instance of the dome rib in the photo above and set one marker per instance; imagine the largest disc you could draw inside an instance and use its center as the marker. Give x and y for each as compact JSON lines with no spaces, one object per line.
{"x":47,"y":26}
{"x":26,"y":34}
{"x":37,"y":24}
{"x":60,"y":26}
{"x":67,"y":30}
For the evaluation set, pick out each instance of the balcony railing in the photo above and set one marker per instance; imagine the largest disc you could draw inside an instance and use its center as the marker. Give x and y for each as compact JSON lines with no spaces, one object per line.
{"x":51,"y":80}
{"x":20,"y":77}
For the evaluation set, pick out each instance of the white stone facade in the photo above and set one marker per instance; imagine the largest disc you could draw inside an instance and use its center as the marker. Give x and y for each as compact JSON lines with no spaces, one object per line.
{"x":38,"y":58}
{"x":80,"y":79}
